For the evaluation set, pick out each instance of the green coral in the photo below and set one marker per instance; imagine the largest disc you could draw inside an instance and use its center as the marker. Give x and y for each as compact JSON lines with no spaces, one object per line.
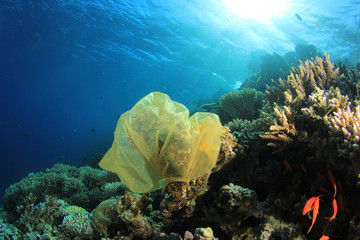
{"x":243,"y":104}
{"x":246,"y":131}
{"x":84,"y":187}
{"x":74,"y":209}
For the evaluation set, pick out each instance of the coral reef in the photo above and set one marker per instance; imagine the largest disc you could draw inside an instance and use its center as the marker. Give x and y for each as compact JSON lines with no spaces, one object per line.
{"x":303,"y":145}
{"x":85,"y":187}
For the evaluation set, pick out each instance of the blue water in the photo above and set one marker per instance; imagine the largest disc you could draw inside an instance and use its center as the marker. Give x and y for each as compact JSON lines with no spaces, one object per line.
{"x":70,"y":68}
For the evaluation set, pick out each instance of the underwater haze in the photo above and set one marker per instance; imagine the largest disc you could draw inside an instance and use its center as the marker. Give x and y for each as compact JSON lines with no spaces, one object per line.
{"x":70,"y":68}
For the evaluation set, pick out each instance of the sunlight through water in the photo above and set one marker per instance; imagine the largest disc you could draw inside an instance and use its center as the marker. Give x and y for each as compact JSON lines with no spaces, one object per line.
{"x":260,"y":10}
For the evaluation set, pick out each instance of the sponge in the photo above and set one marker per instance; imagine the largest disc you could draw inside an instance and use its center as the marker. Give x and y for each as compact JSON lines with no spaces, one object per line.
{"x":156,"y":142}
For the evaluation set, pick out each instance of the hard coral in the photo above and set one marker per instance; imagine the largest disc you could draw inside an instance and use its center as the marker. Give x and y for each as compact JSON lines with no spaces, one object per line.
{"x":76,"y":226}
{"x":123,"y":217}
{"x":85,"y":187}
{"x":309,"y":89}
{"x":243,"y":104}
{"x":235,"y":203}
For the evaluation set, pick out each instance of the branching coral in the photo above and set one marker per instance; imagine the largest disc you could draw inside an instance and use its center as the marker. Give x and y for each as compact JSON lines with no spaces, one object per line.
{"x":83,"y":187}
{"x":345,"y":131}
{"x":307,"y":95}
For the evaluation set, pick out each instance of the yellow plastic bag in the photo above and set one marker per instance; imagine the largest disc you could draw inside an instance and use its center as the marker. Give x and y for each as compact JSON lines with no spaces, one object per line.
{"x":156,"y":142}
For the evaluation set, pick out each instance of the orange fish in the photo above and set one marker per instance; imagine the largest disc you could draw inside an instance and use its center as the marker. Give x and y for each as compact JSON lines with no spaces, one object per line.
{"x":324,"y":237}
{"x":341,"y":204}
{"x":314,"y":204}
{"x":304,"y":169}
{"x":287,"y":166}
{"x":335,"y":207}
{"x":308,"y":206}
{"x":320,"y":177}
{"x":332,"y":180}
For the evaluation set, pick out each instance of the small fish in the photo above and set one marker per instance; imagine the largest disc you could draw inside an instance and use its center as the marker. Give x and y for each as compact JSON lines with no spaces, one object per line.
{"x":341,"y":204}
{"x":27,"y":134}
{"x":92,"y":130}
{"x":332,"y":180}
{"x":308,"y":205}
{"x":324,"y":237}
{"x":298,"y":17}
{"x":312,"y":203}
{"x":287,"y":166}
{"x":315,"y":212}
{"x":335,"y":207}
{"x":304,"y":169}
{"x":320,"y":177}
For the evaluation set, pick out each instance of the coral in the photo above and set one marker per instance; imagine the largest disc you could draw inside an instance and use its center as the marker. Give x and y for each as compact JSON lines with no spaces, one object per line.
{"x":124,"y":217}
{"x":8,"y":231}
{"x":247,"y":131}
{"x":309,"y":90}
{"x":76,"y":226}
{"x":180,"y":199}
{"x":40,"y":216}
{"x":243,"y":104}
{"x":229,"y":145}
{"x":204,"y":234}
{"x":100,"y":220}
{"x":273,"y":228}
{"x":84,"y":187}
{"x":235,"y":203}
{"x":345,"y":132}
{"x":73,"y":209}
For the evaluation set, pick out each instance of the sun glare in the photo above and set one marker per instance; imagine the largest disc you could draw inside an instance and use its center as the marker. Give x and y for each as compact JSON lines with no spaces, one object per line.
{"x":261,"y":10}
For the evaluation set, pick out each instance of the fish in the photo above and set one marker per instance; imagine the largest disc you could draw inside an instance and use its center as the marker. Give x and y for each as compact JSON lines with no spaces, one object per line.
{"x":341,"y":203}
{"x":315,"y":212}
{"x":320,"y":177}
{"x":335,"y":207}
{"x":312,"y":203}
{"x":332,"y":180}
{"x":27,"y":134}
{"x":304,"y":169}
{"x":288,"y":166}
{"x":308,"y":205}
{"x":298,"y":17}
{"x":324,"y":237}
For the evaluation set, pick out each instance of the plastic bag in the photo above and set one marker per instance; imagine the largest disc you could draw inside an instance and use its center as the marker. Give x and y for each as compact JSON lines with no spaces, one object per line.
{"x":156,"y":142}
